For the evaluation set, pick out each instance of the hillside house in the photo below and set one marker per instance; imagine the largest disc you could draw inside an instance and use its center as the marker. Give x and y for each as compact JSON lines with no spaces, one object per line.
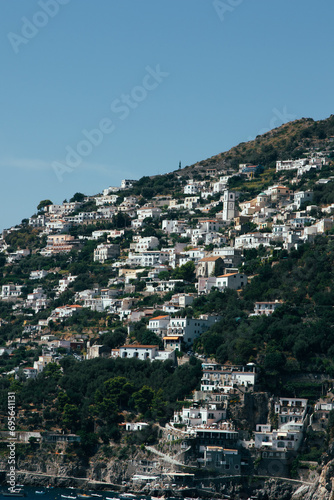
{"x":190,"y":328}
{"x":199,"y":415}
{"x":144,"y":244}
{"x":38,"y":275}
{"x":302,"y":197}
{"x":59,"y":243}
{"x":144,"y":352}
{"x":235,"y":281}
{"x":225,"y":377}
{"x":226,"y":460}
{"x":173,"y":342}
{"x":10,"y":291}
{"x":209,"y":266}
{"x":266,"y":308}
{"x":148,"y":212}
{"x":62,"y":312}
{"x":105,"y":252}
{"x":158,"y":325}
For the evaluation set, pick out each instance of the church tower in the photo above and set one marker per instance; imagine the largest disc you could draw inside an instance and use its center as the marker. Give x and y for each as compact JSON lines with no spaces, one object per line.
{"x":229,"y":210}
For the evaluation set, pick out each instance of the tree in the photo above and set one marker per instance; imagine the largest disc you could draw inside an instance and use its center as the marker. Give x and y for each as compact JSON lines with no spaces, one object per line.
{"x":44,"y":203}
{"x":77,"y":197}
{"x":143,"y":399}
{"x":70,"y":418}
{"x":185,"y":272}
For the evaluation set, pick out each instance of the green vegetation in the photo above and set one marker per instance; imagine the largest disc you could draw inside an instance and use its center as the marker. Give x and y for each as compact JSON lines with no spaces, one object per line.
{"x":89,"y":398}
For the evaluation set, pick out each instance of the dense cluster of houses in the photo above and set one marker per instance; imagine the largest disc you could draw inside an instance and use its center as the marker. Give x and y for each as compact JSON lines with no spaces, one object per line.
{"x":213,"y":239}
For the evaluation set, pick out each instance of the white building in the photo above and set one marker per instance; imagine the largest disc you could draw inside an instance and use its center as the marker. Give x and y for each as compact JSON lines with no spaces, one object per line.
{"x":253,"y":240}
{"x":64,"y":283}
{"x":144,"y":352}
{"x":190,"y":328}
{"x":226,"y":377}
{"x":302,"y":197}
{"x":127,"y":183}
{"x":191,"y":188}
{"x":173,"y":226}
{"x":148,"y":212}
{"x":38,"y":275}
{"x":199,"y":415}
{"x":135,"y":426}
{"x":10,"y":291}
{"x":191,"y":202}
{"x":159,"y":324}
{"x":37,"y":300}
{"x":290,"y":164}
{"x":229,"y":209}
{"x":143,"y":244}
{"x":65,"y":311}
{"x":38,"y":221}
{"x":58,"y":225}
{"x":105,"y":252}
{"x":266,"y":308}
{"x":220,"y":186}
{"x":106,"y":200}
{"x":235,"y":281}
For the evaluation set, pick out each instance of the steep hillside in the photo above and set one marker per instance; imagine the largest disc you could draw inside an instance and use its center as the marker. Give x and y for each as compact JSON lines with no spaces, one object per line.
{"x":290,"y":140}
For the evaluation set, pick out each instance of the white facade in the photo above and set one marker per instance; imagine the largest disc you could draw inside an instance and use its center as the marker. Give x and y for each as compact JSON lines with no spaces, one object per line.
{"x":190,"y":328}
{"x":302,"y":196}
{"x":266,"y":308}
{"x":225,"y":377}
{"x":38,"y":275}
{"x":148,"y":212}
{"x":127,"y":183}
{"x":290,"y":164}
{"x":144,"y":352}
{"x":106,"y":200}
{"x":191,"y":188}
{"x":148,"y":243}
{"x":135,"y":426}
{"x":200,"y":415}
{"x":104,"y":252}
{"x":229,"y":210}
{"x":253,"y":240}
{"x":158,"y":324}
{"x":235,"y":281}
{"x":10,"y":291}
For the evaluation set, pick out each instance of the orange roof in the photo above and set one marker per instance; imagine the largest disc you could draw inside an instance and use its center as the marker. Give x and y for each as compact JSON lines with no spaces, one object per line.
{"x":140,"y":346}
{"x":209,"y":259}
{"x":226,"y":275}
{"x":159,"y":317}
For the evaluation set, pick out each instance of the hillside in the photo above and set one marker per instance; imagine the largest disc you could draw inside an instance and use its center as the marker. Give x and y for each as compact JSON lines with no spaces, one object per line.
{"x":115,"y":308}
{"x":288,"y":141}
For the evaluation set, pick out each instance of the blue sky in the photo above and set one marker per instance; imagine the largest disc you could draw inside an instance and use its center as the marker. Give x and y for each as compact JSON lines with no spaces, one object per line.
{"x":163,"y":81}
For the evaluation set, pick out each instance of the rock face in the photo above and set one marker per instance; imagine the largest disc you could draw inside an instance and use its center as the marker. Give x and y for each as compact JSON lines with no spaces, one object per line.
{"x":323,"y":489}
{"x":254,"y":410}
{"x":273,"y":489}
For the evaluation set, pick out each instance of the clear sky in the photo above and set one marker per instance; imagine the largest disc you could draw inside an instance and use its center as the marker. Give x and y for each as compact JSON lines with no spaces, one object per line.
{"x":94,"y":91}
